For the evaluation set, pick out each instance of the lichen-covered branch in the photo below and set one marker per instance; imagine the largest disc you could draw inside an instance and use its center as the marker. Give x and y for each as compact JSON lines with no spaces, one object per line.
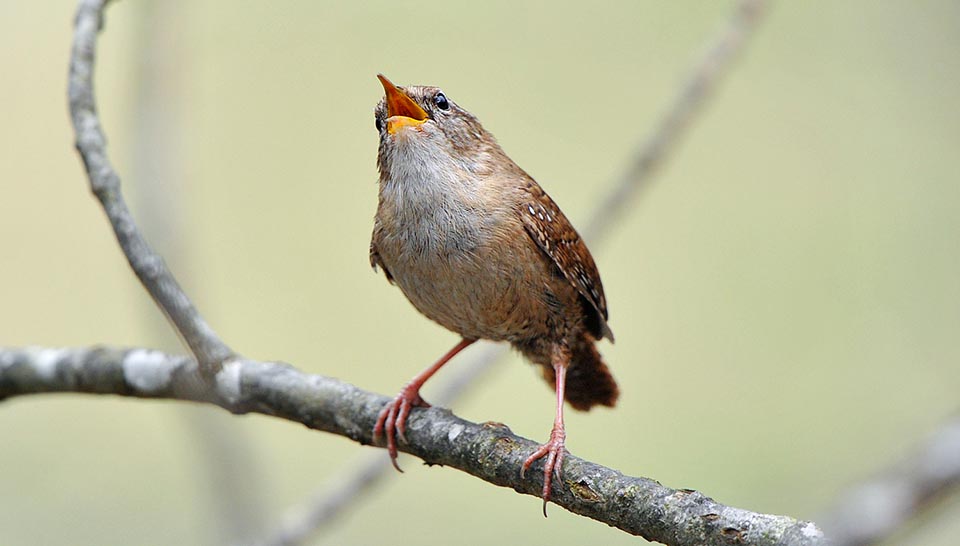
{"x":105,"y":184}
{"x":489,"y":451}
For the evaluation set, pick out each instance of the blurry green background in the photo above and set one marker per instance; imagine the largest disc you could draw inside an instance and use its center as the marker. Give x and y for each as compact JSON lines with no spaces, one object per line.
{"x":786,"y":297}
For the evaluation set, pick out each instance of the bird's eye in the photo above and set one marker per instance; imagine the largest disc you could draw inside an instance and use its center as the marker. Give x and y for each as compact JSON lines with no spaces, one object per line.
{"x":441,"y":101}
{"x":378,"y":122}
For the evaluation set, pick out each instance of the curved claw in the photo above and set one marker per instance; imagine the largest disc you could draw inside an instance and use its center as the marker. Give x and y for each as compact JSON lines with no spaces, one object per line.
{"x":554,"y":451}
{"x":392,"y":419}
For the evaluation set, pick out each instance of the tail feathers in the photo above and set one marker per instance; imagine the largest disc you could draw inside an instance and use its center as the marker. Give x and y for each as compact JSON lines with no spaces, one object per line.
{"x":589,"y":381}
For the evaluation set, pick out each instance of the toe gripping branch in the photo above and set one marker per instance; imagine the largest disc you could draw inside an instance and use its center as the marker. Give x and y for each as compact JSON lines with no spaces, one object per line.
{"x":392,"y":420}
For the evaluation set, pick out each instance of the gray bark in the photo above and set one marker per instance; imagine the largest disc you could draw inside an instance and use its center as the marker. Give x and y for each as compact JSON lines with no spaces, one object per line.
{"x":489,"y":451}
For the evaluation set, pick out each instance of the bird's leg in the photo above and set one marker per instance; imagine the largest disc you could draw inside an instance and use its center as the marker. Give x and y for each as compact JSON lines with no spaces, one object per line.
{"x":554,"y":449}
{"x":393,"y":417}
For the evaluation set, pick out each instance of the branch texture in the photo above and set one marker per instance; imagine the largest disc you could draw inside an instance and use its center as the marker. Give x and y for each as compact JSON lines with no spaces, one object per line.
{"x":489,"y":451}
{"x":105,"y":184}
{"x":328,"y":503}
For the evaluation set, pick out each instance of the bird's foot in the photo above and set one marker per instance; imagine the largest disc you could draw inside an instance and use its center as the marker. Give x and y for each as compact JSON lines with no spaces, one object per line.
{"x":393,"y":419}
{"x":553,"y":450}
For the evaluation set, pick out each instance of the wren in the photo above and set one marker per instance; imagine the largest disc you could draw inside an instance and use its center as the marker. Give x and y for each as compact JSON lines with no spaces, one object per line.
{"x":477,"y":246}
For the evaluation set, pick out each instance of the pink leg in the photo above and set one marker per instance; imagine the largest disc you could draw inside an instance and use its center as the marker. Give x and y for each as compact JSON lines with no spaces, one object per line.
{"x":393,"y":417}
{"x":554,"y":449}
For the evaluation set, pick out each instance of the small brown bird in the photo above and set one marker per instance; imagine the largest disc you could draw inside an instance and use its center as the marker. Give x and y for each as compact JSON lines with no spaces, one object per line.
{"x":476,"y":245}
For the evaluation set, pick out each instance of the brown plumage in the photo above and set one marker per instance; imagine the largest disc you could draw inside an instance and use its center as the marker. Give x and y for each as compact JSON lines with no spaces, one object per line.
{"x":476,"y":245}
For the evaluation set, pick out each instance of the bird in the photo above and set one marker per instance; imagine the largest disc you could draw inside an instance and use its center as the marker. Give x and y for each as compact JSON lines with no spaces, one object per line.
{"x":476,"y":245}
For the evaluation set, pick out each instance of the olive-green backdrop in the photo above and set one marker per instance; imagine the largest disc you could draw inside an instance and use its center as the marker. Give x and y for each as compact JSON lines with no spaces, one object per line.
{"x":786,"y":296}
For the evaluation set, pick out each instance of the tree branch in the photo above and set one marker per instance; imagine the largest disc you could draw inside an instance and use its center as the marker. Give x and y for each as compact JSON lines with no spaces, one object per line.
{"x":489,"y":451}
{"x":105,"y":184}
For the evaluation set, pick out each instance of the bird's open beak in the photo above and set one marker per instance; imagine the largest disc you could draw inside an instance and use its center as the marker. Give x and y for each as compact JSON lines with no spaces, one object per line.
{"x":401,"y":110}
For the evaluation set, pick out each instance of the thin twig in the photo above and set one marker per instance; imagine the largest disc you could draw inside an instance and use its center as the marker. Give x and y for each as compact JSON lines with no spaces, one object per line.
{"x":322,"y":507}
{"x":105,"y":184}
{"x":874,"y":510}
{"x":490,"y":451}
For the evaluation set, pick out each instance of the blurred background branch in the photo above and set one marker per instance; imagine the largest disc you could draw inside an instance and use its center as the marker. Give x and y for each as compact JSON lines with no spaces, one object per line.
{"x":720,"y":53}
{"x":884,"y":504}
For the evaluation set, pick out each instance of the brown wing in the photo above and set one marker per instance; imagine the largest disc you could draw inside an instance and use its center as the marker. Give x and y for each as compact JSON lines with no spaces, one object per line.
{"x":557,"y":238}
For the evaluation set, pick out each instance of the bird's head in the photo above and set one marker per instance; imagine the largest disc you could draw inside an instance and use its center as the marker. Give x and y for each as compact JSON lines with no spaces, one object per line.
{"x":420,"y":126}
